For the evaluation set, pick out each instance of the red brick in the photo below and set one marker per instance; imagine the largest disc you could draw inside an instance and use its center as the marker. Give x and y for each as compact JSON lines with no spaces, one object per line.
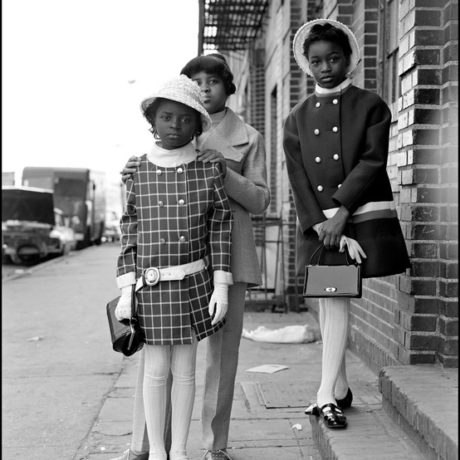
{"x":428,"y":195}
{"x":448,"y":326}
{"x":448,"y":289}
{"x":425,"y":269}
{"x":427,"y":17}
{"x":427,"y":96}
{"x":426,"y":232}
{"x":424,"y":287}
{"x":427,"y":305}
{"x":425,"y":213}
{"x":425,"y":342}
{"x":424,"y":250}
{"x":450,"y":346}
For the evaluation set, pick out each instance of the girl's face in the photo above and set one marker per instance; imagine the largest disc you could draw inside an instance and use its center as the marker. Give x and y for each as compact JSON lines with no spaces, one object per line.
{"x":213,"y":91}
{"x":328,"y":63}
{"x":175,"y":123}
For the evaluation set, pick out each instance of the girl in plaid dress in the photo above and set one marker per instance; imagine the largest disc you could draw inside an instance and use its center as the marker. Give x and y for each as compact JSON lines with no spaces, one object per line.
{"x":175,"y":251}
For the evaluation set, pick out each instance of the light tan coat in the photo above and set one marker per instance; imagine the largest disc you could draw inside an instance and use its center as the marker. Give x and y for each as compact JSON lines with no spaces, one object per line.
{"x":246,"y":186}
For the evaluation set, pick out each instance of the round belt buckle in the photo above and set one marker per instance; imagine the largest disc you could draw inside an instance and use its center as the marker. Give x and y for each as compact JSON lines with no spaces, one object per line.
{"x":152,"y":276}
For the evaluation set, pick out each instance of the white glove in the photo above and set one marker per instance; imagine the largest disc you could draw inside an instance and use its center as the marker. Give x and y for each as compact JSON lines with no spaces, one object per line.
{"x":354,"y":249}
{"x":219,"y":302}
{"x":123,"y":309}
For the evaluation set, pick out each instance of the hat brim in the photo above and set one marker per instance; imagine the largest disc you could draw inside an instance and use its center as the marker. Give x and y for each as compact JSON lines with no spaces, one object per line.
{"x":304,"y":31}
{"x":205,"y":118}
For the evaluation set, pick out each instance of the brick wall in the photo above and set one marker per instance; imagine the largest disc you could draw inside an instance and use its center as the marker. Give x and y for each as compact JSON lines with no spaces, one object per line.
{"x":427,"y":321}
{"x":413,"y":317}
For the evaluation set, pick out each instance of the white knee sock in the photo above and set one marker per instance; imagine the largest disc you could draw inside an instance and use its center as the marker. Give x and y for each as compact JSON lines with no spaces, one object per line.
{"x":182,"y":397}
{"x":157,"y":364}
{"x":334,"y":332}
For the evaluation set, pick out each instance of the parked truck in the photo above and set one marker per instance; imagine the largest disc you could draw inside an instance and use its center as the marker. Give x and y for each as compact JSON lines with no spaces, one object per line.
{"x":31,"y":225}
{"x":79,"y":193}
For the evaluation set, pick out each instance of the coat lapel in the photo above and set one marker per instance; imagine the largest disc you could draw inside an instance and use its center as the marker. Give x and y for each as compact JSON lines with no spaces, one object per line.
{"x":229,"y":133}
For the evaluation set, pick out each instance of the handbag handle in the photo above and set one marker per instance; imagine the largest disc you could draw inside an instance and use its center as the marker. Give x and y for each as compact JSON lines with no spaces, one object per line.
{"x":320,"y":248}
{"x":133,"y":304}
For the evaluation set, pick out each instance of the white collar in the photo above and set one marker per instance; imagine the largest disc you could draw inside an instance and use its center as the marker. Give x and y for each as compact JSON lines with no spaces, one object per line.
{"x":172,"y":158}
{"x":337,"y":89}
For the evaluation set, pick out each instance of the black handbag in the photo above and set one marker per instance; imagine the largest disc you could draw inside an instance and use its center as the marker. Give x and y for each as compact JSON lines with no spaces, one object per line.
{"x":127,"y":336}
{"x":332,"y":280}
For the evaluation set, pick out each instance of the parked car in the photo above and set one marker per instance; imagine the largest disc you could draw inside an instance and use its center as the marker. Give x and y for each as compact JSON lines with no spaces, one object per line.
{"x":32,"y":228}
{"x":112,"y":230}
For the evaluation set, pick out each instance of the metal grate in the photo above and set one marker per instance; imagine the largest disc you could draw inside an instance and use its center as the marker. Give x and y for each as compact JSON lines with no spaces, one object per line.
{"x":229,"y":25}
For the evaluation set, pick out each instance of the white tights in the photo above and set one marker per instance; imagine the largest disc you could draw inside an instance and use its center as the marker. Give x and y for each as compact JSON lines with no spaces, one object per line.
{"x":333,"y":322}
{"x":159,"y":359}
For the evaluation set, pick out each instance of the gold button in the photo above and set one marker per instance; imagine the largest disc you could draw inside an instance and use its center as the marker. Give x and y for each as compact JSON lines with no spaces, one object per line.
{"x":335,"y":156}
{"x":160,"y":203}
{"x":318,"y":104}
{"x":181,"y":201}
{"x":319,"y":188}
{"x":318,"y":159}
{"x":316,"y":131}
{"x":162,"y":241}
{"x":335,"y":129}
{"x":335,"y":101}
{"x":182,"y":238}
{"x":158,"y":171}
{"x":340,"y":185}
{"x":180,"y":170}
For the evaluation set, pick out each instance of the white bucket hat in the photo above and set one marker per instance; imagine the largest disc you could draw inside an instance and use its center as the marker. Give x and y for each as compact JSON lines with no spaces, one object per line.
{"x":304,"y":31}
{"x":181,"y":89}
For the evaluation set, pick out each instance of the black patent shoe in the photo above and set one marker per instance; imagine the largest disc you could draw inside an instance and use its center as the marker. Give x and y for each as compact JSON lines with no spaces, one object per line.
{"x":333,"y":416}
{"x":312,"y":409}
{"x":345,"y":403}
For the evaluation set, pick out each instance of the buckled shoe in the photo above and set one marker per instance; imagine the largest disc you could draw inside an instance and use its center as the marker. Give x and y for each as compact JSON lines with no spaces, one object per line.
{"x":220,"y":454}
{"x":129,"y":455}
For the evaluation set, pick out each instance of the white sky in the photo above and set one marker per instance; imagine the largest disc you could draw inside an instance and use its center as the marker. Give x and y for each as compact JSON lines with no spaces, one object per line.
{"x":67,"y":100}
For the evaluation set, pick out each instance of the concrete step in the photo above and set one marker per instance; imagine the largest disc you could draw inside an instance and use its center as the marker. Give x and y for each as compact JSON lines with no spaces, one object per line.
{"x":370,"y":434}
{"x":423,"y":401}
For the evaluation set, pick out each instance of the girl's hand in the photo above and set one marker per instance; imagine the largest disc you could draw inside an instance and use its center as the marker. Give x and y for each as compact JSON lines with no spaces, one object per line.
{"x":130,"y":168}
{"x":219,"y":303}
{"x":123,"y":309}
{"x":332,"y":229}
{"x":212,"y":156}
{"x":354,"y":249}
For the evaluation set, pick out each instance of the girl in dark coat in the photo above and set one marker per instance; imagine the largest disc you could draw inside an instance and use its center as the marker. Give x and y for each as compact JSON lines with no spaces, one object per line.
{"x":175,"y":251}
{"x":336,"y":147}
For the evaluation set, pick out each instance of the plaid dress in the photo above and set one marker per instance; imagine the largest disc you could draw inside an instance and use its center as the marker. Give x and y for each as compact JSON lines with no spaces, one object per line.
{"x":175,"y":215}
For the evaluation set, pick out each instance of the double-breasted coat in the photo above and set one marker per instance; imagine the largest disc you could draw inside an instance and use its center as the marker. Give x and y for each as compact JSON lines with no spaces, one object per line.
{"x":174,"y":216}
{"x":336,"y":148}
{"x":246,"y":186}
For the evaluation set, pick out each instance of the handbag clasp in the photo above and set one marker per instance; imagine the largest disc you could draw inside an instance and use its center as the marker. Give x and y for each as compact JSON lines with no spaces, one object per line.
{"x":330,"y":289}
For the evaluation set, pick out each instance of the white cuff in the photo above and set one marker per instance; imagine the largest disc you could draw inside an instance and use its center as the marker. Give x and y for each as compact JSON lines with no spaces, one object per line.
{"x":223,"y":277}
{"x":126,"y":280}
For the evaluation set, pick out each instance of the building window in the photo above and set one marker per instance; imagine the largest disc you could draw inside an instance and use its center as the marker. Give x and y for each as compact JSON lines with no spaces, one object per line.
{"x":273,"y":149}
{"x":389,"y":81}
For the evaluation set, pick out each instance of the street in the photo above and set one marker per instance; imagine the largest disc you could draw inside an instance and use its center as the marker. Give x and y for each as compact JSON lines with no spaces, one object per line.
{"x":57,"y":361}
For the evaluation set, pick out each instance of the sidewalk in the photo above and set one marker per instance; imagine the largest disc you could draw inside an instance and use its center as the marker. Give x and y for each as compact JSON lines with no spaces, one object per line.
{"x":266,"y":406}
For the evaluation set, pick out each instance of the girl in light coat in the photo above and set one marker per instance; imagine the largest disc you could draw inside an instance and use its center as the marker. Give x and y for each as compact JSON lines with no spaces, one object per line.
{"x":241,"y":148}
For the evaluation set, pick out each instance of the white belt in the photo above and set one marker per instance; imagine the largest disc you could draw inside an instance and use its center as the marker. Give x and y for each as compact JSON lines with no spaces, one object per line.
{"x":153,"y":275}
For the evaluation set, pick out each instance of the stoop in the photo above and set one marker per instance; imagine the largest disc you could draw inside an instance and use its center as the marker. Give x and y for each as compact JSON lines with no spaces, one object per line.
{"x":423,"y":401}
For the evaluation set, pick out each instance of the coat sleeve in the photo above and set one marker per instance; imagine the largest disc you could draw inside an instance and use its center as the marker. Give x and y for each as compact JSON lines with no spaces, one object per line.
{"x":250,"y":188}
{"x":307,"y":207}
{"x":220,"y":226}
{"x":126,"y":266}
{"x":372,"y":161}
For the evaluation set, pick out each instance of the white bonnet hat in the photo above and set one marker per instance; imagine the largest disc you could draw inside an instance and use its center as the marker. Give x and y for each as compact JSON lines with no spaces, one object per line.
{"x":304,"y":31}
{"x":181,"y":89}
